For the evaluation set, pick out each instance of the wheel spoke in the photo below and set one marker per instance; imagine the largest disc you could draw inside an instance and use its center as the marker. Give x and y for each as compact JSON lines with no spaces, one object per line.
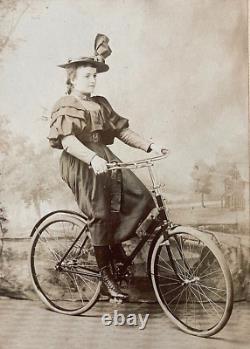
{"x":169,"y":283}
{"x":165,"y":277}
{"x":170,"y":270}
{"x":177,"y":295}
{"x":78,"y":288}
{"x":210,"y":266}
{"x":200,"y":302}
{"x":179,"y":298}
{"x":201,"y":262}
{"x":80,"y":276}
{"x":211,"y":289}
{"x":210,"y":301}
{"x":209,"y":274}
{"x":54,"y":237}
{"x":67,"y":282}
{"x":53,"y":252}
{"x":161,"y":266}
{"x":182,"y":271}
{"x":170,"y":291}
{"x":185,"y":274}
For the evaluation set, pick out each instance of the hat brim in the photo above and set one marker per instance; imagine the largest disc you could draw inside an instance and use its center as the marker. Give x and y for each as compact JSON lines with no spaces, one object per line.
{"x":101,"y":67}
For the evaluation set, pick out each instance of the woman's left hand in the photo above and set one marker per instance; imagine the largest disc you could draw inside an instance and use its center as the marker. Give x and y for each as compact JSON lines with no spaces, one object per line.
{"x":159,"y":149}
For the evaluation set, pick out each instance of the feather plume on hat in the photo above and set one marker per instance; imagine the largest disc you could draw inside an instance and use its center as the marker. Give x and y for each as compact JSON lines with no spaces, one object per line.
{"x":101,"y":52}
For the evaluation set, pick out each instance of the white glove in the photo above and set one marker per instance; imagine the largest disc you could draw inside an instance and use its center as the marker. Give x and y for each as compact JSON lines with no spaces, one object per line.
{"x":99,"y":165}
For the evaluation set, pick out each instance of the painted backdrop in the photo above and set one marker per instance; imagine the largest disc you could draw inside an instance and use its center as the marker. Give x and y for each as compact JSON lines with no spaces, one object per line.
{"x":178,"y":71}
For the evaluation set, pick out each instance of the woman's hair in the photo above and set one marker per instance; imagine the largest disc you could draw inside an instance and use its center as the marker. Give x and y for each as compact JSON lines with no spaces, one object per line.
{"x":71,"y":74}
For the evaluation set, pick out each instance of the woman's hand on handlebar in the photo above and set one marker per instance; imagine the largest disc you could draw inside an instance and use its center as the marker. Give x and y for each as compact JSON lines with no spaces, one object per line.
{"x":159,"y":149}
{"x":99,"y":165}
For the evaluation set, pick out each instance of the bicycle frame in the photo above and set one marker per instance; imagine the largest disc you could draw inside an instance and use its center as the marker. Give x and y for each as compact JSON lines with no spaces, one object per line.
{"x":161,"y":220}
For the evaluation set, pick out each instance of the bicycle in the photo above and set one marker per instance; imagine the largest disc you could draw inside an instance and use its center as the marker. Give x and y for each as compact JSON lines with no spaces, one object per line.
{"x":189,"y":274}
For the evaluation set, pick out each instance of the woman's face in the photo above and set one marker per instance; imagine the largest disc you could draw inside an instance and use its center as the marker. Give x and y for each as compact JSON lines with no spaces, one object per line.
{"x":85,"y":79}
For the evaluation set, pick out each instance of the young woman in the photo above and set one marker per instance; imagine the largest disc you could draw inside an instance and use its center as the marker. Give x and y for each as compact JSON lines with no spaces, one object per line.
{"x":83,"y":125}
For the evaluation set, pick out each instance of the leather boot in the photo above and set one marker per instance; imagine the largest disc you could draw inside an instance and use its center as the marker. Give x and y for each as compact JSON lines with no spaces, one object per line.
{"x":111,"y":286}
{"x":118,"y":253}
{"x":103,"y":259}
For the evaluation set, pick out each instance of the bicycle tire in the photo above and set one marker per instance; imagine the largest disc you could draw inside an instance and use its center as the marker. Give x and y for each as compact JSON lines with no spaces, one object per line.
{"x":203,"y":284}
{"x":67,"y":292}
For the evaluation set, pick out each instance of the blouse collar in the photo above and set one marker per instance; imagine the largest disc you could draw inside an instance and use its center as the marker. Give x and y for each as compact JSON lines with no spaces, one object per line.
{"x":82,"y":96}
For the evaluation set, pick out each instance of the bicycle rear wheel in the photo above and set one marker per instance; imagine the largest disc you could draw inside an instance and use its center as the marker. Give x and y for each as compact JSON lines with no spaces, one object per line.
{"x":71,"y":287}
{"x":192,"y":281}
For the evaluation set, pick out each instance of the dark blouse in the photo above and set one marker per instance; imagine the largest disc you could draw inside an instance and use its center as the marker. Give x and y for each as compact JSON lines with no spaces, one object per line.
{"x":69,"y":116}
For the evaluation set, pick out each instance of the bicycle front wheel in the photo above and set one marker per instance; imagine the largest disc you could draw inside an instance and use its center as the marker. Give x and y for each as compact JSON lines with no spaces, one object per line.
{"x":71,"y":284}
{"x":192,"y":281}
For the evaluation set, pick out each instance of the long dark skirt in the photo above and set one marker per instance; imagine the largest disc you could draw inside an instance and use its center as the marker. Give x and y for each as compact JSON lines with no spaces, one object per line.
{"x":98,"y":195}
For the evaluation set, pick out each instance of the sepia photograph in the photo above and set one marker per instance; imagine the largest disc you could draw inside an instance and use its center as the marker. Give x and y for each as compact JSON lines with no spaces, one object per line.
{"x":124,"y":174}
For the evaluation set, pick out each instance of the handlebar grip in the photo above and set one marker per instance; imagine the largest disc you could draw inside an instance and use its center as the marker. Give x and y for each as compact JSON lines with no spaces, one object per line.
{"x":165,"y":151}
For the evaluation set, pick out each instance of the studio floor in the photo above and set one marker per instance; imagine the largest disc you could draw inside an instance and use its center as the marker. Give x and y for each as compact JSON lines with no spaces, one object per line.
{"x":27,"y":324}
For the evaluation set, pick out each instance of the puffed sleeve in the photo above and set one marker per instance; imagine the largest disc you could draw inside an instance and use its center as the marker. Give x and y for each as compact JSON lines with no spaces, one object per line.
{"x":67,"y":118}
{"x":114,"y":122}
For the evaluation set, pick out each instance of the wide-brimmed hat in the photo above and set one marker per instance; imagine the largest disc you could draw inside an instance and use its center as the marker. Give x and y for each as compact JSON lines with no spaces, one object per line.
{"x":101,"y":52}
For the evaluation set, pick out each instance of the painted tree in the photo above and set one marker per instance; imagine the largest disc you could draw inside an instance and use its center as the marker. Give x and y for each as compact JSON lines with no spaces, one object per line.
{"x":11,"y":13}
{"x":201,"y":176}
{"x":234,"y":189}
{"x":22,"y":169}
{"x":31,"y":173}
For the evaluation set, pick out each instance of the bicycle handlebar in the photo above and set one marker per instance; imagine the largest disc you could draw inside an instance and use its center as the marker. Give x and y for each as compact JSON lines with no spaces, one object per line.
{"x":135,"y":164}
